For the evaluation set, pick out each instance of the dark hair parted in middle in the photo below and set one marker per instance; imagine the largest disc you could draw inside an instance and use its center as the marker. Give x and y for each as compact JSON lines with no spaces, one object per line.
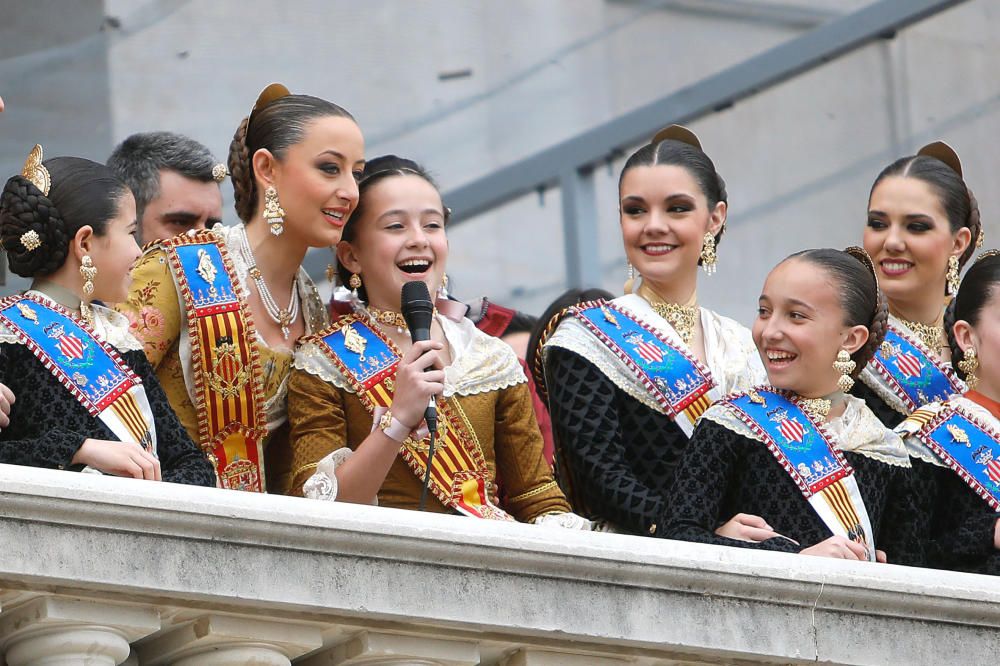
{"x":377,"y":170}
{"x":82,"y":193}
{"x":977,"y":287}
{"x":276,"y":126}
{"x":694,"y":160}
{"x":860,"y":297}
{"x":956,"y":198}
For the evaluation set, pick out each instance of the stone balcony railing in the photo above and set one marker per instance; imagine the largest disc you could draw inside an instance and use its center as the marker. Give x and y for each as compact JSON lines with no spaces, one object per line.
{"x":99,"y":570}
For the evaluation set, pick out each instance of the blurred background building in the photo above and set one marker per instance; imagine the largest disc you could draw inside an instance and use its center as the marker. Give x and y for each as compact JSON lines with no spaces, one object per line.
{"x":470,"y":87}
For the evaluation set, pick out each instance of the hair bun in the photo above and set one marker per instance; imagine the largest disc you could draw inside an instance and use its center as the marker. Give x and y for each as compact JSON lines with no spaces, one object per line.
{"x":24,"y":208}
{"x":241,"y":173}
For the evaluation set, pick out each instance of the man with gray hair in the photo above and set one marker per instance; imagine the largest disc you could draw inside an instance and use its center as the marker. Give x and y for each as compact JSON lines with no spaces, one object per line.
{"x":175,"y":181}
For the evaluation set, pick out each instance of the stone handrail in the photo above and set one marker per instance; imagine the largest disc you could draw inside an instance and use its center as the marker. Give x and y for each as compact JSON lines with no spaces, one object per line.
{"x":95,"y":569}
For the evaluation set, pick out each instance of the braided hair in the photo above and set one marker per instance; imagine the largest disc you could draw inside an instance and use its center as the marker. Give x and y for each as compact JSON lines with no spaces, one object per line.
{"x":275,"y":127}
{"x":976,"y":289}
{"x":863,"y":302}
{"x":694,"y":160}
{"x":83,"y":193}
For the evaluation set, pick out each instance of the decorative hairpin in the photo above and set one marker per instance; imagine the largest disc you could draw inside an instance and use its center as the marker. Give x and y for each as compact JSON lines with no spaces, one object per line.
{"x":31,"y":240}
{"x":940,"y":150}
{"x":266,"y":96}
{"x":36,"y":172}
{"x":677,"y":133}
{"x":219,"y":172}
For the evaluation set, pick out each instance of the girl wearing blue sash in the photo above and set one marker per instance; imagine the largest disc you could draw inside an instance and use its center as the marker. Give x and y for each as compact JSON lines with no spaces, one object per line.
{"x":358,"y":389}
{"x":86,"y":396}
{"x":955,"y":442}
{"x":628,"y":378}
{"x":923,"y":225}
{"x":811,"y":460}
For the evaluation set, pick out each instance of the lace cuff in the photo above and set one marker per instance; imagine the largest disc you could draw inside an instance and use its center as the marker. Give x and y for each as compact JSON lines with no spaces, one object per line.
{"x":568,"y":521}
{"x":322,"y":485}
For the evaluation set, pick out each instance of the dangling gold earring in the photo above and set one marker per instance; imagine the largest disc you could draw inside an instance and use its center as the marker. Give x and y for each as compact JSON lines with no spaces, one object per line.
{"x":968,"y":365}
{"x":952,"y":274}
{"x":443,"y":289}
{"x":630,"y":279}
{"x":354,"y":283}
{"x":89,"y":271}
{"x":709,"y":259}
{"x":845,"y":366}
{"x":331,"y":268}
{"x":274,"y":214}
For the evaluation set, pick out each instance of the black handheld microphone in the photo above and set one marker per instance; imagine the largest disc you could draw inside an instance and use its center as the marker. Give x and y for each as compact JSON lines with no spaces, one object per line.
{"x":418,"y":311}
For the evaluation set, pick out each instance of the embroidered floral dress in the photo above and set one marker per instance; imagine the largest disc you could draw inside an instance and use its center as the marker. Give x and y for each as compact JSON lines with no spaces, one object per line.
{"x":48,"y":424}
{"x":157,"y":315}
{"x":485,"y":387}
{"x":618,"y":447}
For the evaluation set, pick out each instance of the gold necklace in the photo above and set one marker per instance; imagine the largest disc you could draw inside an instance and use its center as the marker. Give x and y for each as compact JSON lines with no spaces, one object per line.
{"x":683,"y":318}
{"x":819,"y":408}
{"x":929,"y":334}
{"x":390,"y":318}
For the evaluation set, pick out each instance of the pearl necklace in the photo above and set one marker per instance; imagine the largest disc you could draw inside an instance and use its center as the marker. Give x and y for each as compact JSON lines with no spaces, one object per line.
{"x":281,"y":317}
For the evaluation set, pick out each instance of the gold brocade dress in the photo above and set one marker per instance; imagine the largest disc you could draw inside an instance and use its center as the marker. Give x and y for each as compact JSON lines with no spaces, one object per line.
{"x":484,"y":385}
{"x":158,"y":319}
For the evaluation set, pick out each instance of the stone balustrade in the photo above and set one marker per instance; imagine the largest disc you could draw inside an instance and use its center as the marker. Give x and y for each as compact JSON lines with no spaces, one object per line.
{"x":100,"y":570}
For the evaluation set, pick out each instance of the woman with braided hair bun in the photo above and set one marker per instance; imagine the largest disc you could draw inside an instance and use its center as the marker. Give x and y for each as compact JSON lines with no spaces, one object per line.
{"x":87,"y":397}
{"x":220,"y":310}
{"x":954,"y":443}
{"x":923,"y":226}
{"x":800,"y":452}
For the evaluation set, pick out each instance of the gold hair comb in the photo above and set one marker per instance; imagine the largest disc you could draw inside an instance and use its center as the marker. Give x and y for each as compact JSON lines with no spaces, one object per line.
{"x":36,"y":172}
{"x":940,"y":150}
{"x":268,"y":95}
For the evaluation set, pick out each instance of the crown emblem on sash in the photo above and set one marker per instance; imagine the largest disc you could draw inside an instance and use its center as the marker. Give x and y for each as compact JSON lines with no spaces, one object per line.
{"x":240,"y":474}
{"x":908,"y":364}
{"x":68,"y":344}
{"x":790,"y":428}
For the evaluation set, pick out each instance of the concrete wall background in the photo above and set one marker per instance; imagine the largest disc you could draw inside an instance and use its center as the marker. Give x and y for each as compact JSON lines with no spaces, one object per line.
{"x":798,"y":159}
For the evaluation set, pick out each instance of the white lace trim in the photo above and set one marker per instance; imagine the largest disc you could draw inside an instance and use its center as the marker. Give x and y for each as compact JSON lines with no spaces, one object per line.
{"x":480,"y":363}
{"x":322,"y":485}
{"x":857,"y":430}
{"x":918,"y":449}
{"x":110,"y":326}
{"x":566,"y":521}
{"x":732,"y":357}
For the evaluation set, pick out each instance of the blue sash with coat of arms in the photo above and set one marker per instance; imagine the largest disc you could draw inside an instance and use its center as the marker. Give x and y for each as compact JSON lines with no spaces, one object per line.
{"x":805,"y":451}
{"x":675,"y":379}
{"x":89,"y":368}
{"x":912,"y":374}
{"x":970,"y":448}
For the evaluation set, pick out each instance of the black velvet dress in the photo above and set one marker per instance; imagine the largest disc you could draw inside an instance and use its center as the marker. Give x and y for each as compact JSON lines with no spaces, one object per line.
{"x":618,"y":454}
{"x":722,"y":473}
{"x":48,"y":425}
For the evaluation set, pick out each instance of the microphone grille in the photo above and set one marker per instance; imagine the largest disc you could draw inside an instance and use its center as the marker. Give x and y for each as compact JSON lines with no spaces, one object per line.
{"x":415,"y":291}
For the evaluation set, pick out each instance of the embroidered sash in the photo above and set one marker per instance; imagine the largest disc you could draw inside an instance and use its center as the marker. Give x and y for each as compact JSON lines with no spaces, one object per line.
{"x":673,"y":377}
{"x":89,"y":368}
{"x":968,"y":446}
{"x":368,"y":360}
{"x":911,"y":372}
{"x":804,"y":450}
{"x":229,"y":397}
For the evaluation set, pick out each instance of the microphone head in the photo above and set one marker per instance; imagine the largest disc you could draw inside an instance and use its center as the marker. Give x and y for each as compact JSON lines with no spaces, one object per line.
{"x":417,"y":307}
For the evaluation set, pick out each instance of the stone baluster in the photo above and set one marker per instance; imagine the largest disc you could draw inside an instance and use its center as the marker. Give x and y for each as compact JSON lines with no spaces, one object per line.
{"x":67,"y":631}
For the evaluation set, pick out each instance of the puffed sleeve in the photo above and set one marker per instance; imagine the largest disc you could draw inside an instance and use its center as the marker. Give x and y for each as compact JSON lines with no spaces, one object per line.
{"x":317,"y":425}
{"x":153,"y":308}
{"x":181,"y":460}
{"x":532,"y":490}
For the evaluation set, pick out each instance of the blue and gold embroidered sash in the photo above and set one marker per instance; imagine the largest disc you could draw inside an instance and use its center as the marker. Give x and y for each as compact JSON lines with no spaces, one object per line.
{"x":804,"y":450}
{"x":460,"y":477}
{"x":89,"y":368}
{"x":225,"y":362}
{"x":675,"y":379}
{"x":911,"y":372}
{"x":968,"y":446}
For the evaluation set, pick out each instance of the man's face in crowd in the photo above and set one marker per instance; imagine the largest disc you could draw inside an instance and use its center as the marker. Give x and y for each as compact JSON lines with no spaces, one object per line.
{"x":183,"y":204}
